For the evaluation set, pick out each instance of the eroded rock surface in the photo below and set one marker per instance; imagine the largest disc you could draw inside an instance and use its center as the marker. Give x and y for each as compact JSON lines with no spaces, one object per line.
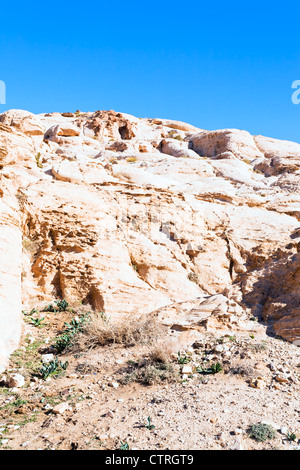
{"x":137,"y":215}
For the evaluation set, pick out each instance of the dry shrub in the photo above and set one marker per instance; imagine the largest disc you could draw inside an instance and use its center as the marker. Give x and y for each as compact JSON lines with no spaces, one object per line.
{"x":156,"y":368}
{"x":127,"y":331}
{"x":241,"y":368}
{"x":149,"y":374}
{"x":160,"y":353}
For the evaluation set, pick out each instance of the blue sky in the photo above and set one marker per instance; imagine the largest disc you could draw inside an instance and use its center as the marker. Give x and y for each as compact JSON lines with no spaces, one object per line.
{"x":215,"y":65}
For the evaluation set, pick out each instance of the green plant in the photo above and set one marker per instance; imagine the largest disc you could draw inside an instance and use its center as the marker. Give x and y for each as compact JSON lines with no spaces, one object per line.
{"x":52,"y":367}
{"x":28,"y":360}
{"x":34,"y":321}
{"x":38,"y":160}
{"x":50,"y":308}
{"x":34,"y":311}
{"x":19,"y":402}
{"x":262,"y":432}
{"x":63,"y":342}
{"x":183,"y":359}
{"x":149,"y":425}
{"x":37,"y":321}
{"x":135,"y":267}
{"x":66,"y":339}
{"x":14,"y":404}
{"x":193,"y":277}
{"x":124,"y":446}
{"x":213,"y":369}
{"x":61,"y":306}
{"x":291,"y":436}
{"x":104,"y":317}
{"x":76,"y":324}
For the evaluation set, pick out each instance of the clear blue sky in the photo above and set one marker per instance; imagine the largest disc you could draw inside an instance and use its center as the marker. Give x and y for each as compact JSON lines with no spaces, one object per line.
{"x":213,"y":64}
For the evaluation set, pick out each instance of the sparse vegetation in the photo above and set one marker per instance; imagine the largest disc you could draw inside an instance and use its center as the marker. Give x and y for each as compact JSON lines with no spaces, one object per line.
{"x":127,"y":331}
{"x":243,"y":370}
{"x":183,"y":358}
{"x":52,"y":367}
{"x":124,"y":446}
{"x":135,"y":267}
{"x":32,"y":246}
{"x":193,"y":277}
{"x":61,"y":306}
{"x":38,"y":160}
{"x":149,"y":424}
{"x":258,"y":347}
{"x":156,"y":368}
{"x":14,"y":404}
{"x":261,"y":432}
{"x":150,"y":374}
{"x":72,"y":329}
{"x":291,"y":436}
{"x":27,"y":358}
{"x":232,"y":338}
{"x":37,"y":321}
{"x":29,"y":317}
{"x":213,"y":369}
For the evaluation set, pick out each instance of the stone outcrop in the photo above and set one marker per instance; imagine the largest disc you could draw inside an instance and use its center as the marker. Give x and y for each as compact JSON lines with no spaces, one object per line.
{"x":137,"y":216}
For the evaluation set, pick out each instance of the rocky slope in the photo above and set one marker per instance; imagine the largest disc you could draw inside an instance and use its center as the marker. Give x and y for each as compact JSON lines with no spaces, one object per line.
{"x":134,"y":216}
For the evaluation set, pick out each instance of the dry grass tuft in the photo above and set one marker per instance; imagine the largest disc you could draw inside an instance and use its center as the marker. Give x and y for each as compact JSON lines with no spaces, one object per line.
{"x":160,"y":353}
{"x":127,"y":331}
{"x":156,"y":368}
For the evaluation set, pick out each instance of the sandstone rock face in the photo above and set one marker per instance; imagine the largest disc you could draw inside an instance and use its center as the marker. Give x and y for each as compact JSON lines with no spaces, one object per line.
{"x":135,"y":215}
{"x":23,"y":121}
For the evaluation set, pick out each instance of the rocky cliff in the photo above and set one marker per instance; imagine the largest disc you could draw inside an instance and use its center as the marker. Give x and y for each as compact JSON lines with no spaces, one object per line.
{"x":135,"y":215}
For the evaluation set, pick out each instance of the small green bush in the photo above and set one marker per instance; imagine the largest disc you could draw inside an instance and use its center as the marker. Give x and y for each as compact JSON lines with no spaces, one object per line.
{"x":261,"y":432}
{"x":183,"y":358}
{"x":52,"y":367}
{"x":66,"y":339}
{"x":213,"y":369}
{"x":61,"y":306}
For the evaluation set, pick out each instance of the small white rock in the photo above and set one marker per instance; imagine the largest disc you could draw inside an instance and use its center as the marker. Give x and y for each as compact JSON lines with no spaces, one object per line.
{"x":283,"y":430}
{"x":61,"y":408}
{"x":16,"y":380}
{"x":187,"y":369}
{"x":238,"y":431}
{"x":237,"y":445}
{"x":47,"y":358}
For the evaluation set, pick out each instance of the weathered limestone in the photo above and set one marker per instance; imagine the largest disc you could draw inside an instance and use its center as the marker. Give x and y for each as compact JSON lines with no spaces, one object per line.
{"x":137,"y":215}
{"x":10,"y":281}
